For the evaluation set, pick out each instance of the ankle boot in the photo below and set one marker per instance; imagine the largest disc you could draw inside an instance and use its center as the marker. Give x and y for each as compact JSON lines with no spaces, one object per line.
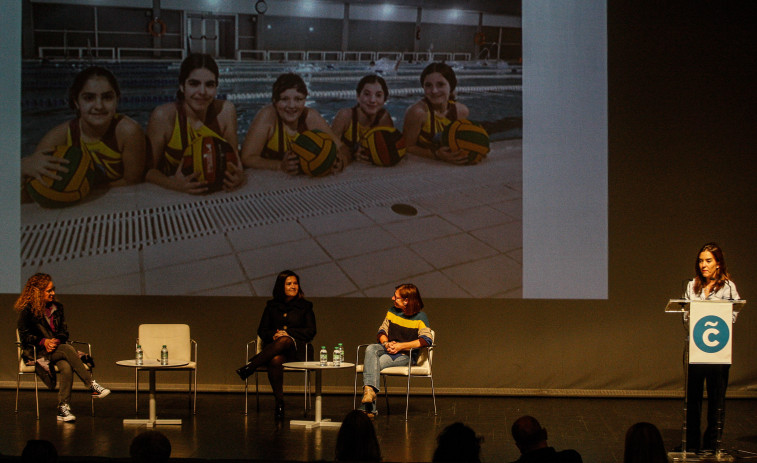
{"x":246,"y":371}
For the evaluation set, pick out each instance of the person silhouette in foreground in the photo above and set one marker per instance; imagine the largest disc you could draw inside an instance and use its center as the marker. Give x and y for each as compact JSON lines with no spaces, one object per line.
{"x":531,"y":440}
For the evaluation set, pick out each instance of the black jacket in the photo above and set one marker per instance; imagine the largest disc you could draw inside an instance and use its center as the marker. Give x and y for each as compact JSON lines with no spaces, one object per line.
{"x":296,"y":317}
{"x":32,"y":330}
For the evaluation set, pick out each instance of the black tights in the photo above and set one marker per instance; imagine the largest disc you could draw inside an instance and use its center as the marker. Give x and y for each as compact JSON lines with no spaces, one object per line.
{"x":274,"y":355}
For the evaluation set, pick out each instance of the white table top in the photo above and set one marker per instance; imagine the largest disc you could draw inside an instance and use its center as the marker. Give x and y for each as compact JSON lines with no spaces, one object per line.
{"x":317,"y":365}
{"x":149,"y":363}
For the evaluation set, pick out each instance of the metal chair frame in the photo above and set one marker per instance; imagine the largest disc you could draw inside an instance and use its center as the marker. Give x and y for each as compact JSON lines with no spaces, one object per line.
{"x":409,"y":374}
{"x":257,"y":346}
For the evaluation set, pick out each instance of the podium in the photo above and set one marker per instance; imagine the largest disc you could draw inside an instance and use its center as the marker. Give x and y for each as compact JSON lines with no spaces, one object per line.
{"x":708,"y":342}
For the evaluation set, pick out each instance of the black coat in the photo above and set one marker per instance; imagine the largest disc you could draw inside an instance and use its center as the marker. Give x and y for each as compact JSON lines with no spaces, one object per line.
{"x":32,"y":330}
{"x":296,"y":317}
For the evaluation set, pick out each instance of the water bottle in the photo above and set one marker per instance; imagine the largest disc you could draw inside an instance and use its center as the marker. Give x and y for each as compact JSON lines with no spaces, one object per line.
{"x":140,"y":355}
{"x":337,"y":357}
{"x":341,"y":353}
{"x":164,"y":355}
{"x":324,"y":356}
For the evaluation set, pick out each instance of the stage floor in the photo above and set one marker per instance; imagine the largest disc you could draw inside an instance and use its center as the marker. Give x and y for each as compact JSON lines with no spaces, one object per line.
{"x":594,"y":426}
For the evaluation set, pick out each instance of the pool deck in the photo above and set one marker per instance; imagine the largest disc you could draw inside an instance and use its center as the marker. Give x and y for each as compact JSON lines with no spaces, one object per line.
{"x":338,"y":232}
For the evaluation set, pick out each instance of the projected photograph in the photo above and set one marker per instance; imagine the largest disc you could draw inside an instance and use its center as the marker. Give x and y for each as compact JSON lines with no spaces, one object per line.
{"x":111,"y":203}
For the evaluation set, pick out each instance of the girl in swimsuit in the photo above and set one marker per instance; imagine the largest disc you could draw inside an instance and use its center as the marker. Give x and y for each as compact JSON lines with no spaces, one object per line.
{"x":426,"y":119}
{"x":115,"y":142}
{"x":195,"y":113}
{"x":276,"y":125}
{"x":351,"y":124}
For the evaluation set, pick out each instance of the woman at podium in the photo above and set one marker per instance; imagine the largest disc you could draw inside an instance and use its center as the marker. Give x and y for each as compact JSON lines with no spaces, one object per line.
{"x":712,"y":281}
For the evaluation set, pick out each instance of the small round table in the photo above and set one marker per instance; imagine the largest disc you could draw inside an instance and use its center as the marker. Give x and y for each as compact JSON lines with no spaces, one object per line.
{"x":152,"y":366}
{"x":318,"y":368}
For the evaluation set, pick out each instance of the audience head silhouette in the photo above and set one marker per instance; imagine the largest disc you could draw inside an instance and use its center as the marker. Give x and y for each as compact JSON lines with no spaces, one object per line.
{"x":357,"y":440}
{"x":531,"y":440}
{"x":458,"y":442}
{"x":644,"y":444}
{"x":150,"y":447}
{"x":528,"y":434}
{"x":39,"y":451}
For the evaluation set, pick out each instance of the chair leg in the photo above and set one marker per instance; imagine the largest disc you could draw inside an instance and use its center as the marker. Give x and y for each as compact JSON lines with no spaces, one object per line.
{"x":354,"y":393}
{"x":36,"y":395}
{"x":189,"y":388}
{"x":433,"y":393}
{"x":407,"y":397}
{"x":386,"y":396}
{"x":245,"y":397}
{"x":18,"y":384}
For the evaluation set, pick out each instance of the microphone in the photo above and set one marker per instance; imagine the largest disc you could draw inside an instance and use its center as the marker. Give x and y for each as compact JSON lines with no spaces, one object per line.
{"x":730,"y":290}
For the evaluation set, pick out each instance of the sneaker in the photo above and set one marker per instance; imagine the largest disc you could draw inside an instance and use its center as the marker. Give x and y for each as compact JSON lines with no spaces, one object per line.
{"x":98,"y":391}
{"x":64,"y":413}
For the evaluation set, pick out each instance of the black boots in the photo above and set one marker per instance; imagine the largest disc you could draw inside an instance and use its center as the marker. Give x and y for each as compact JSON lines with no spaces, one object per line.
{"x":246,"y":371}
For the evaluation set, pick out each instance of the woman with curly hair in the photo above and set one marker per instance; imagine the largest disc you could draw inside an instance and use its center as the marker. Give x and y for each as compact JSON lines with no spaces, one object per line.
{"x":44,"y":335}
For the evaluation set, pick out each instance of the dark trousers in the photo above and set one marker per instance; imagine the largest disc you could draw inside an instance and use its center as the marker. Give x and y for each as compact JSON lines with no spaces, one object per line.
{"x":67,"y":360}
{"x":716,"y":378}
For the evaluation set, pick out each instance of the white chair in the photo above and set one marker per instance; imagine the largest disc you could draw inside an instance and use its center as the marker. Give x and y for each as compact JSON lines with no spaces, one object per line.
{"x":256,"y":346}
{"x":181,"y":347}
{"x":422,"y":369}
{"x":29,"y":369}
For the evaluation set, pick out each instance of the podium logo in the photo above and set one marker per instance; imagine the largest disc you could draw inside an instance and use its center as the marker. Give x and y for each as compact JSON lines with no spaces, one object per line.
{"x":711,"y":334}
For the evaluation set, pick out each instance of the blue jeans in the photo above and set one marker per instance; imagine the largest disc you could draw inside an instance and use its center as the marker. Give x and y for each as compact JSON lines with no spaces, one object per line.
{"x":376,"y":359}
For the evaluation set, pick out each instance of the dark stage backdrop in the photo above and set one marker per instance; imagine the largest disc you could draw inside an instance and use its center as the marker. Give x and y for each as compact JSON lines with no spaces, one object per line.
{"x":681,"y":173}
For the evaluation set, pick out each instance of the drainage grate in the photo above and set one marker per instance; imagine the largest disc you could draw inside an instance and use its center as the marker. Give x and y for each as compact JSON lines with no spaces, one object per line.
{"x":126,"y":230}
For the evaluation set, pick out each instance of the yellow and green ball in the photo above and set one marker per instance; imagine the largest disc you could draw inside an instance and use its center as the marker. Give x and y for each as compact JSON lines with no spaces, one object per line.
{"x":317,"y":152}
{"x":467,"y":136}
{"x":73,"y":186}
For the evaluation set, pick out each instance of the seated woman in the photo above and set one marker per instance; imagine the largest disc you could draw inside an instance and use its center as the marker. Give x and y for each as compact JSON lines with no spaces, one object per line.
{"x":42,"y":325}
{"x":405,"y":327}
{"x":276,"y":125}
{"x":351,"y":124}
{"x":287,"y":326}
{"x":116,"y":143}
{"x":426,"y":119}
{"x":195,"y":113}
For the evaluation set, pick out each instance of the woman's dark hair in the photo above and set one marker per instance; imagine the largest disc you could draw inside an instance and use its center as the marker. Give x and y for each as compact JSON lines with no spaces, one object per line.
{"x":445,"y":71}
{"x":278,"y":287}
{"x":357,"y":440}
{"x":286,"y":81}
{"x":644,"y":445}
{"x":372,"y":79}
{"x":192,"y":62}
{"x":458,"y":442}
{"x":81,"y":79}
{"x":413,"y":295}
{"x":722,"y":271}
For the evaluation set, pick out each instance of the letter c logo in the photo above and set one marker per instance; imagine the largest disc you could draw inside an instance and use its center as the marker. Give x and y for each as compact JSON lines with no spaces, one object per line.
{"x":711,"y":334}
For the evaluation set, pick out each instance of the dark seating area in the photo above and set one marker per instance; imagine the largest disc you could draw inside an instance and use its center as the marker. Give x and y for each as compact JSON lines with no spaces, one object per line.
{"x":220,"y":432}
